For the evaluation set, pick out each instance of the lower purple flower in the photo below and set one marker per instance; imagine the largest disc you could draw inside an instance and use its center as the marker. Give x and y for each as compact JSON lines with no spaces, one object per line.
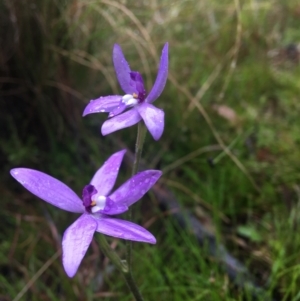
{"x":97,"y":206}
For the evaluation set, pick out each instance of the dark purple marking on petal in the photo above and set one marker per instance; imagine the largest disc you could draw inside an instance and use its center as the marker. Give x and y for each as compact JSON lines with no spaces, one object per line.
{"x":138,"y":83}
{"x":87,"y":193}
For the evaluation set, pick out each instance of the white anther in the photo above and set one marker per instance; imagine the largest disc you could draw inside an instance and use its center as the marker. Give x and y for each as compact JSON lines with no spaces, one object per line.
{"x":129,"y":100}
{"x":100,"y":203}
{"x":96,"y":209}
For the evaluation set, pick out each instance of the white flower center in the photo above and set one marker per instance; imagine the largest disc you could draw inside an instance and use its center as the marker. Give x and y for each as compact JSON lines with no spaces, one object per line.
{"x":130,"y":100}
{"x":100,"y":202}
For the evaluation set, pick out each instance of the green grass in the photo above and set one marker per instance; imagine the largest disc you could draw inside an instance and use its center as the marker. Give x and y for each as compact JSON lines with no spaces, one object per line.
{"x":57,"y":56}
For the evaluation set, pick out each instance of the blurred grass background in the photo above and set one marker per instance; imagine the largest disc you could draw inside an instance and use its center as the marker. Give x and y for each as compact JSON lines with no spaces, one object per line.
{"x":230,"y":150}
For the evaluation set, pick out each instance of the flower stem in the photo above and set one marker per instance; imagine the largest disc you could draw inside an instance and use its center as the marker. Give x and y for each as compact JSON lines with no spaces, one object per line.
{"x":140,"y":139}
{"x":121,"y":265}
{"x":112,"y":255}
{"x":141,"y":134}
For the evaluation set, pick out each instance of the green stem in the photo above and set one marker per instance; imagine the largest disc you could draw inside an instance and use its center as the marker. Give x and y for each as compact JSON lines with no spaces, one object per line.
{"x":121,"y":265}
{"x":112,"y":255}
{"x":140,"y":139}
{"x":141,"y":134}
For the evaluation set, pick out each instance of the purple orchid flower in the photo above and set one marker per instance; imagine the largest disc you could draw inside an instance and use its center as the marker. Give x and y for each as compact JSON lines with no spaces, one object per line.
{"x":97,"y":206}
{"x":135,"y":98}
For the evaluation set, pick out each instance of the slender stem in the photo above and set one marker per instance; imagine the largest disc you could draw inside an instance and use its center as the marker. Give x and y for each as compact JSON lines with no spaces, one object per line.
{"x":141,"y":134}
{"x":112,"y":255}
{"x":121,"y":265}
{"x":133,"y":287}
{"x":140,"y":139}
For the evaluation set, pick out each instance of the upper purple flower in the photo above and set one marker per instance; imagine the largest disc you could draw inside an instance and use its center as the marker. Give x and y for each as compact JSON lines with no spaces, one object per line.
{"x":96,"y":206}
{"x":135,"y":99}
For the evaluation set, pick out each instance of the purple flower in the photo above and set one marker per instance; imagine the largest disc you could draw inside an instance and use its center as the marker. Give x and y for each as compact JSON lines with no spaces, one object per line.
{"x":96,"y":206}
{"x":135,"y":98}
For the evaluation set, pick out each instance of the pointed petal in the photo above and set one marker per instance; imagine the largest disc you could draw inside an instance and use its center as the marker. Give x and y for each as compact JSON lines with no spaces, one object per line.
{"x":102,"y":104}
{"x":76,"y":241}
{"x":153,"y":118}
{"x":122,"y":70}
{"x":162,"y":76}
{"x":136,"y":187}
{"x":122,"y":121}
{"x":124,"y":229}
{"x":48,"y":189}
{"x":105,"y":178}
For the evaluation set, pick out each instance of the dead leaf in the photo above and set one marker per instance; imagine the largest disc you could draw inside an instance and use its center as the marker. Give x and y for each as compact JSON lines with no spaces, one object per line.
{"x":226,"y":112}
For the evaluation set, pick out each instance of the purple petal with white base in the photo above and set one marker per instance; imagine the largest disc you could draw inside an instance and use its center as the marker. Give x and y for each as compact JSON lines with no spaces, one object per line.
{"x":48,"y":189}
{"x":76,"y":241}
{"x":122,"y":70}
{"x":105,"y":178}
{"x":136,"y":187}
{"x":162,"y":76}
{"x":102,"y":104}
{"x":96,"y":205}
{"x":124,"y":229}
{"x":119,"y":122}
{"x":153,"y":118}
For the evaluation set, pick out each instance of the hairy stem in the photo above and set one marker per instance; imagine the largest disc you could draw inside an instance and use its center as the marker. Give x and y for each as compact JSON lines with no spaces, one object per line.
{"x":141,"y":134}
{"x":121,"y":265}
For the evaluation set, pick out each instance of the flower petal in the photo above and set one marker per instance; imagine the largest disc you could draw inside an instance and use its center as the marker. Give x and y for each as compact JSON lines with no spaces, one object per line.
{"x":162,"y":76}
{"x":118,"y":110}
{"x":76,"y":241}
{"x":122,"y":70}
{"x":136,"y":187}
{"x":48,"y":189}
{"x":105,"y":178}
{"x":112,"y":208}
{"x":153,"y":118}
{"x":102,"y":104}
{"x":122,"y":121}
{"x":123,"y":229}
